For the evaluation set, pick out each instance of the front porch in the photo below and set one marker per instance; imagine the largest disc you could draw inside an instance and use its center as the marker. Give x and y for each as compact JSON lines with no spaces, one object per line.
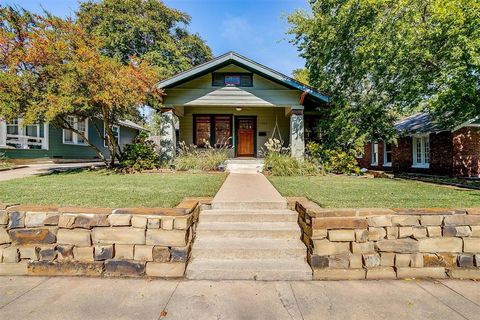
{"x":244,"y":130}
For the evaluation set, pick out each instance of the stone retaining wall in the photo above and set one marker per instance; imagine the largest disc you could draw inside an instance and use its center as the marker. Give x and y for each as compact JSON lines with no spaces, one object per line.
{"x":39,"y":240}
{"x":388,"y":244}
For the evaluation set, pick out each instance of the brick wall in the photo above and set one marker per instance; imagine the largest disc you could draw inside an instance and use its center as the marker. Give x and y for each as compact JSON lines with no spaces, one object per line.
{"x":441,"y":155}
{"x":466,"y":152}
{"x":389,"y":244}
{"x":135,"y":242}
{"x":366,"y":160}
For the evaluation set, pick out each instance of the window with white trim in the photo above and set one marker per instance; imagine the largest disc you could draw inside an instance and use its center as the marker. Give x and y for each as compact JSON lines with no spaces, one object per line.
{"x":387,"y":154}
{"x":116,"y":134}
{"x":12,"y":127}
{"x":421,"y":151}
{"x":374,"y":155}
{"x":70,"y":137}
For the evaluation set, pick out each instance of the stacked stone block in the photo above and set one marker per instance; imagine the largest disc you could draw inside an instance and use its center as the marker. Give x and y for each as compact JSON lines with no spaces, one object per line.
{"x":152,"y":242}
{"x":388,"y":244}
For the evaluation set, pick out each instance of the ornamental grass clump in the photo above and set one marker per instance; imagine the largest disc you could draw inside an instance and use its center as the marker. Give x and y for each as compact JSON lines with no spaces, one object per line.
{"x":192,"y":158}
{"x":278,"y":161}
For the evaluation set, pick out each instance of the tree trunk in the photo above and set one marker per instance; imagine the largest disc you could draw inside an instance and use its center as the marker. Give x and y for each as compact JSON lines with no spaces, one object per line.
{"x":64,"y":124}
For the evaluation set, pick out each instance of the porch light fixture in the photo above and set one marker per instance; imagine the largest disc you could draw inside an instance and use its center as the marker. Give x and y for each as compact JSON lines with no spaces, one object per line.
{"x":238,"y":108}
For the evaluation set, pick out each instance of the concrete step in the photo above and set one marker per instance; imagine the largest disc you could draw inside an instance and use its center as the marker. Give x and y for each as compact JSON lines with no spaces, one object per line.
{"x":249,"y":205}
{"x":241,"y":248}
{"x":249,"y":269}
{"x":279,"y":215}
{"x":273,"y":230}
{"x":244,"y":165}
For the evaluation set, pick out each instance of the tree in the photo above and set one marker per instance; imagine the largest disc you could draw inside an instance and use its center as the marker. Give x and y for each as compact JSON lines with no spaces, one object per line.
{"x":146,"y":29}
{"x":54,"y":69}
{"x":383,"y":59}
{"x":301,"y":75}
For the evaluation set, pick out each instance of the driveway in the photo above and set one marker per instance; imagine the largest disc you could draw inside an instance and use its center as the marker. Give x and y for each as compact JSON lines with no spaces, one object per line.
{"x":91,"y":298}
{"x":35,"y":169}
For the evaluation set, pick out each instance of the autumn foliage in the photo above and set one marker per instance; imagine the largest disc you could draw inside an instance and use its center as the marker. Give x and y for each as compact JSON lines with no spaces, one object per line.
{"x":53,"y":68}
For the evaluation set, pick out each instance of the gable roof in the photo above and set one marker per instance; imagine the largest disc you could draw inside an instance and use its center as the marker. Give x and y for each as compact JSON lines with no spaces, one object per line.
{"x":131,"y":124}
{"x":241,"y":61}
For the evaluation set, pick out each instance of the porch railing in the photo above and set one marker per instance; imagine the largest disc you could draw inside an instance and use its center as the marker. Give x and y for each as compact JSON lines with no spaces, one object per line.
{"x":26,"y":142}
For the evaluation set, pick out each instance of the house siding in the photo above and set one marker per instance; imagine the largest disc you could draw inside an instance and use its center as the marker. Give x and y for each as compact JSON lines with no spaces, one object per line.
{"x":454,"y":154}
{"x":201,"y":92}
{"x":58,"y":150}
{"x":265,"y":122}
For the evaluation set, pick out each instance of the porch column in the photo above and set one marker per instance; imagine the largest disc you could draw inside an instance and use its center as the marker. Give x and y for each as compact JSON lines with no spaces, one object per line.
{"x":3,"y":133}
{"x":297,"y":132}
{"x":167,"y":135}
{"x":46,"y":136}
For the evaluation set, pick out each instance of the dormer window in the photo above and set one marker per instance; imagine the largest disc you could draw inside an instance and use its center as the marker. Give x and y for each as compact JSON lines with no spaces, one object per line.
{"x":232,"y":79}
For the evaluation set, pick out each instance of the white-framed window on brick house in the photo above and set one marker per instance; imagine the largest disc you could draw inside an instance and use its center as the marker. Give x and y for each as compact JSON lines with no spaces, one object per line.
{"x":116,"y":134}
{"x":387,"y":154}
{"x":421,"y":151}
{"x":70,"y":137}
{"x":374,"y":154}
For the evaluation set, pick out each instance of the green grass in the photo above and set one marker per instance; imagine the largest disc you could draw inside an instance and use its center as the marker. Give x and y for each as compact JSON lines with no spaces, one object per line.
{"x":106,"y":189}
{"x":357,"y":192}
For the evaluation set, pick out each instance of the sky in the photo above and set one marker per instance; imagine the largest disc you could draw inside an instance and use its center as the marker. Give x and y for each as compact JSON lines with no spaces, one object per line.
{"x":253,"y":28}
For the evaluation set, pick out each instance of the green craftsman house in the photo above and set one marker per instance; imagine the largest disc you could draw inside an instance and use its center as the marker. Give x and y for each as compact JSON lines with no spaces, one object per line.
{"x":48,"y":142}
{"x":234,"y":101}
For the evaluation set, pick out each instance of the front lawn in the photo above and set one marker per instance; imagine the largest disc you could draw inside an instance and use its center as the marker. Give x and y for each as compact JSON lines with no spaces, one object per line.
{"x":358,"y":192}
{"x":106,"y":189}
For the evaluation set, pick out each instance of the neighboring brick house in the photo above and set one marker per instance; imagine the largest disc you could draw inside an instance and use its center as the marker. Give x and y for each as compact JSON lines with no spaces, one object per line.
{"x":425,"y":147}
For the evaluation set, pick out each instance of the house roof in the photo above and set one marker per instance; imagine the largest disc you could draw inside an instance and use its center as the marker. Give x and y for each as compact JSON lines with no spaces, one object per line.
{"x":241,"y":61}
{"x":131,"y":124}
{"x":418,"y":123}
{"x":424,"y":123}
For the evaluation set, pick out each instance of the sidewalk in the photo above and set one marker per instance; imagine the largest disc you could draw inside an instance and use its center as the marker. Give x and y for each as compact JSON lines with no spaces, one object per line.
{"x":90,"y":298}
{"x":35,"y":169}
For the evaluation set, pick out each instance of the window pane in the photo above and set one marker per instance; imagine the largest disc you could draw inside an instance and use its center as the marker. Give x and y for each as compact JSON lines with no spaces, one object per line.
{"x":12,"y":127}
{"x":218,"y":79}
{"x":81,"y":127}
{"x":246,"y":80}
{"x":374,"y":153}
{"x":67,"y":135}
{"x":388,"y":153}
{"x":202,"y":133}
{"x":222,"y":131}
{"x":426,"y":149}
{"x":232,"y":80}
{"x":31,"y":130}
{"x":418,"y":143}
{"x":116,"y":132}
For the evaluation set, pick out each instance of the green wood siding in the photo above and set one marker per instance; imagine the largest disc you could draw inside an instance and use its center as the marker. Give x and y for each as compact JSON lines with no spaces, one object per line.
{"x":58,"y":150}
{"x":200,"y":92}
{"x":265,"y":122}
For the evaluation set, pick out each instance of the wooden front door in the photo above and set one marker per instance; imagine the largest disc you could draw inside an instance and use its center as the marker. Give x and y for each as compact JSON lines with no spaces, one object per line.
{"x":245,"y":136}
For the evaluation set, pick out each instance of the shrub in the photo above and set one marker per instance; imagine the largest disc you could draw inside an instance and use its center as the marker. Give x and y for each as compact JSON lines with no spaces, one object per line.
{"x":332,"y":160}
{"x":193,"y":158}
{"x":4,"y":162}
{"x":278,"y":161}
{"x":140,"y":155}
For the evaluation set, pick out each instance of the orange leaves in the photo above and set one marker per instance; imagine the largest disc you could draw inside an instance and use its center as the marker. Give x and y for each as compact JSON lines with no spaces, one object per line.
{"x":61,"y":71}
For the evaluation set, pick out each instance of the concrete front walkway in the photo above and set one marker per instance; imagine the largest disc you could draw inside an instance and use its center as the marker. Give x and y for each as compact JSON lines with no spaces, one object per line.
{"x":36,"y":169}
{"x":248,"y":190}
{"x":90,"y":298}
